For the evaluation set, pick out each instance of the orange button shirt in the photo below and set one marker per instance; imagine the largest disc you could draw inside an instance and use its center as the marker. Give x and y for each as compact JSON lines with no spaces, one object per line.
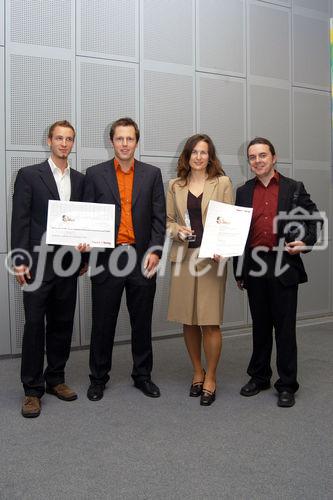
{"x":125,"y":186}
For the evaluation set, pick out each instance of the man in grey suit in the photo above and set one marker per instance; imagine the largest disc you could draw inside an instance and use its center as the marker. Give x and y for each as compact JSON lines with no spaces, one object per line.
{"x":136,"y":190}
{"x":46,"y":294}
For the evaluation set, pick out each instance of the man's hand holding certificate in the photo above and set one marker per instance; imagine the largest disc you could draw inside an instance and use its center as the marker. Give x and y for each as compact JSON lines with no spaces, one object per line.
{"x":74,"y":222}
{"x":226,"y":230}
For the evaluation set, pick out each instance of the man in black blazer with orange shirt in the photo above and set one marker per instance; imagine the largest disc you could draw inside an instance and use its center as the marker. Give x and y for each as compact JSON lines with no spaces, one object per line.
{"x":46,"y":295}
{"x":136,"y":190}
{"x":271,"y":268}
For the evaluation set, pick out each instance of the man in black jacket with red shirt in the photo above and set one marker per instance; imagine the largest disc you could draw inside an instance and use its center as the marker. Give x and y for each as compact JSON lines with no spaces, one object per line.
{"x":271,"y":268}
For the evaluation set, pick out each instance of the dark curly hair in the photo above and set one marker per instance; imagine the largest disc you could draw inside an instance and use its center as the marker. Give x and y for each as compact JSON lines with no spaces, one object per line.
{"x":214,"y":167}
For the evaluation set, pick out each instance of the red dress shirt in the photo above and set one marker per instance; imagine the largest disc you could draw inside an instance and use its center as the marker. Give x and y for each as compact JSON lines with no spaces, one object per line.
{"x":265,"y":205}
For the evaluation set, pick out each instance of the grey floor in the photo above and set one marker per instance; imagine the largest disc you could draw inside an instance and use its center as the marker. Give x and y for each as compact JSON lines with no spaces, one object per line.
{"x":128,"y":446}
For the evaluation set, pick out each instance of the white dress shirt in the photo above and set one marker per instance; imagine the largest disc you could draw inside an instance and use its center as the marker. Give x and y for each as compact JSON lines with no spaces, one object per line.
{"x":63,"y":180}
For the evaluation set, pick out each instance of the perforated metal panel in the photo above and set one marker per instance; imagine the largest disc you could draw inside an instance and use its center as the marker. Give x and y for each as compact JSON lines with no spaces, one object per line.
{"x":108,"y":28}
{"x":3,"y":245}
{"x":314,"y":296}
{"x":316,"y":5}
{"x":168,"y":113}
{"x":312,"y":124}
{"x":117,"y":96}
{"x":269,"y":41}
{"x":221,"y":48}
{"x":270,"y":116}
{"x":311,"y":53}
{"x":168,"y":31}
{"x":5,"y":347}
{"x":46,"y":23}
{"x":168,"y":167}
{"x":39,"y":92}
{"x":221,"y":113}
{"x":2,"y":22}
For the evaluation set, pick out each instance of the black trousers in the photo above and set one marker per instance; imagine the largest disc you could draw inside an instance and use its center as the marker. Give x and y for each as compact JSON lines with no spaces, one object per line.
{"x":49,"y":315}
{"x":273,"y":305}
{"x":106,"y":299}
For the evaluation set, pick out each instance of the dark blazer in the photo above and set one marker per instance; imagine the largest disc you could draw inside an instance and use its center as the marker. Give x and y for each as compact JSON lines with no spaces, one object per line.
{"x":34,"y":187}
{"x":148,"y":205}
{"x":295,"y":273}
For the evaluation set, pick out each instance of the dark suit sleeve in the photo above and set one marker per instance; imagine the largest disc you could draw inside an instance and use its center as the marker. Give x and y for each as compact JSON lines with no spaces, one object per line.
{"x":21,"y":218}
{"x":88,"y":188}
{"x":314,"y":223}
{"x":237,"y":261}
{"x":158,"y":219}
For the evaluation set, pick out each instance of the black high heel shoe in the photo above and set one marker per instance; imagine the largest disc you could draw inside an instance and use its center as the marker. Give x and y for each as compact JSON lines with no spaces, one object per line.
{"x":196,"y":389}
{"x":207,"y":397}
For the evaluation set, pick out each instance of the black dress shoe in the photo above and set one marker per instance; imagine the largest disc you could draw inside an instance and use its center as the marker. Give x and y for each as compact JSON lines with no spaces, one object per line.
{"x":196,"y":389}
{"x":95,"y":392}
{"x":207,"y":397}
{"x":148,"y":388}
{"x":286,"y":399}
{"x":252,"y":388}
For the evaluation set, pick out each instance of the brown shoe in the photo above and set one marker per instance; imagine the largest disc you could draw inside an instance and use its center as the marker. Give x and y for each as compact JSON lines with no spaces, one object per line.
{"x":31,"y":407}
{"x":62,"y":391}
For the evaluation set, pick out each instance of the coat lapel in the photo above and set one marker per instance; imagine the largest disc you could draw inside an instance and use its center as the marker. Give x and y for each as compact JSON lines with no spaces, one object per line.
{"x":48,"y":179}
{"x":209,"y":188}
{"x":284,"y":194}
{"x":74,"y":186}
{"x":137,"y":181}
{"x":181,"y":194}
{"x":111,"y":180}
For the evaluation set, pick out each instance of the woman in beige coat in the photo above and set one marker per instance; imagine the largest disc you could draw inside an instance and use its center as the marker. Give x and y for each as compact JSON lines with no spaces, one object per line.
{"x":197,"y":285}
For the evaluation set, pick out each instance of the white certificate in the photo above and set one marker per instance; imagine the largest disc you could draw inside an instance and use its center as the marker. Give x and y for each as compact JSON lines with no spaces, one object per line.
{"x":226,"y":230}
{"x":74,"y":222}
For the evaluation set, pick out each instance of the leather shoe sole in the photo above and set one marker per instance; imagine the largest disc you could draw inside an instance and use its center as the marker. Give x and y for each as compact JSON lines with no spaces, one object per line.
{"x":95,"y":392}
{"x":252,"y":388}
{"x":148,"y":388}
{"x":286,"y":399}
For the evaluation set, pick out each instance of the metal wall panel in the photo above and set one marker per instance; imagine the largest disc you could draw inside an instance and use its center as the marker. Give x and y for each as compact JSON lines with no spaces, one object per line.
{"x":168,"y":111}
{"x":270,"y":115}
{"x":168,"y":31}
{"x":3,"y":246}
{"x":2,"y":22}
{"x":311,"y":52}
{"x":39,"y":91}
{"x":312,"y":129}
{"x":222,"y":47}
{"x":221,"y":113}
{"x":315,"y":5}
{"x":45,"y":23}
{"x":117,"y":95}
{"x":269,"y":41}
{"x":108,"y":29}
